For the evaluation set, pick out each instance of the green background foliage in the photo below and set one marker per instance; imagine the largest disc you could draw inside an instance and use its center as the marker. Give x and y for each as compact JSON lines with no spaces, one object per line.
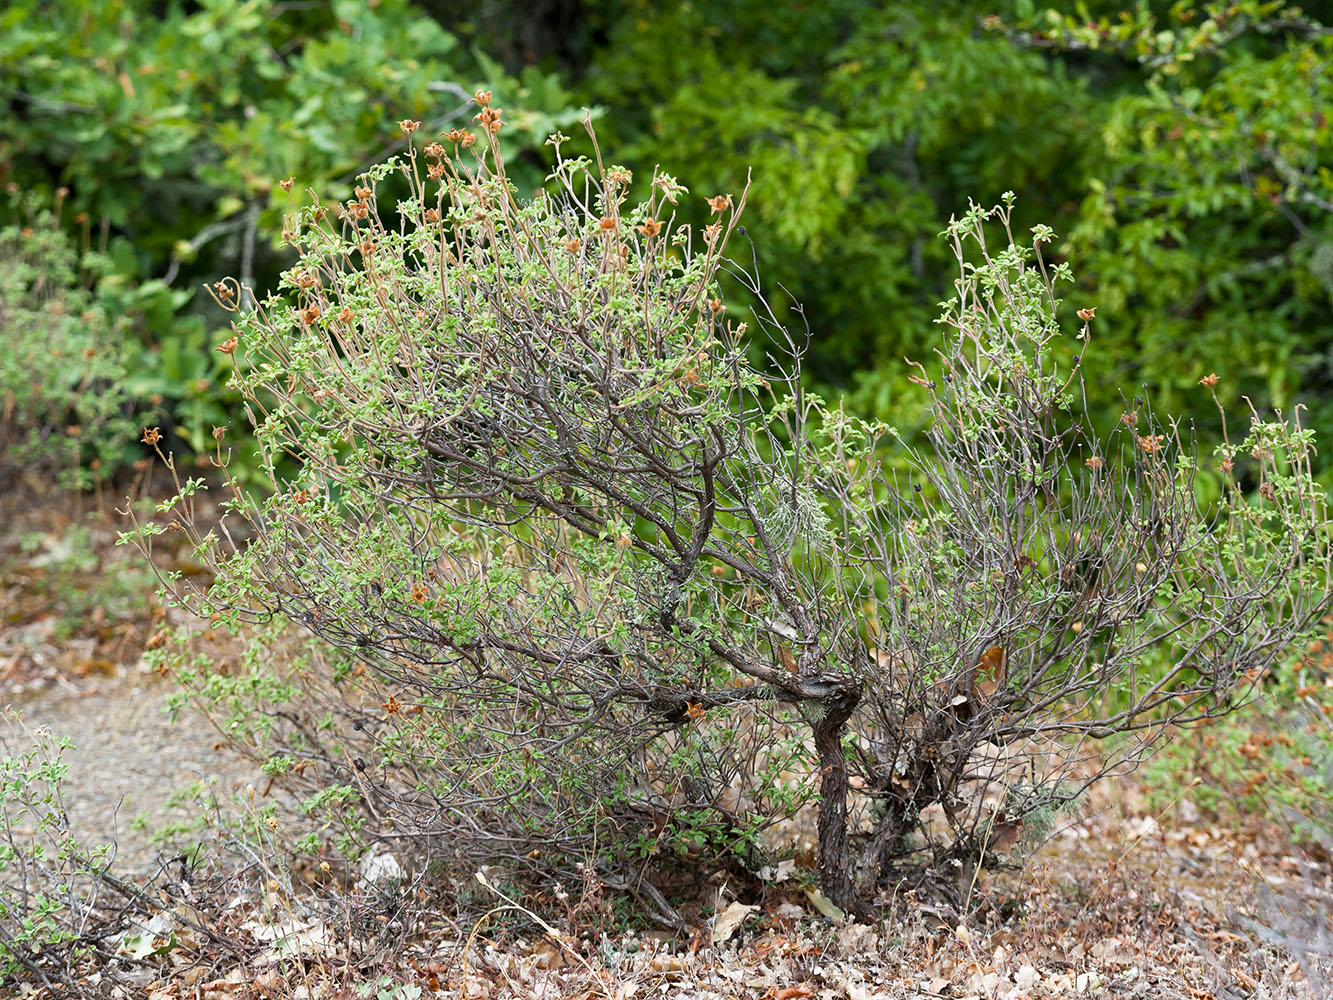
{"x":171,"y":124}
{"x":62,"y":396}
{"x":1180,"y":152}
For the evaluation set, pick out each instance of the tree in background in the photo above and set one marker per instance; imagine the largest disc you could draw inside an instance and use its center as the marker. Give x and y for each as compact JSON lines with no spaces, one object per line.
{"x":1207,"y":225}
{"x":866,"y":125}
{"x":1181,"y":153}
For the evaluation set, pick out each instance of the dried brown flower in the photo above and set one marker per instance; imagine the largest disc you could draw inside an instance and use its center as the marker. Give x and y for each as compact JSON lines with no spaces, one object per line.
{"x":489,"y":119}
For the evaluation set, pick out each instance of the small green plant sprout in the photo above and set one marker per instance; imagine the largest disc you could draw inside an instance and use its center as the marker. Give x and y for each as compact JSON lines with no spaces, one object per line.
{"x":53,"y":889}
{"x":609,"y":586}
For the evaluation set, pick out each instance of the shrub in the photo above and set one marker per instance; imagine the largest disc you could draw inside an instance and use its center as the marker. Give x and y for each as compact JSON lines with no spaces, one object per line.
{"x":62,"y":408}
{"x":615,"y":594}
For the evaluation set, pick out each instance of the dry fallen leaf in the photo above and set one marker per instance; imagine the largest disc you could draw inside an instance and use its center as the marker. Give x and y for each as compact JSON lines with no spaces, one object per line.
{"x":297,"y":937}
{"x":780,"y":872}
{"x":729,"y":920}
{"x":858,"y":991}
{"x":988,"y":674}
{"x":668,"y":963}
{"x":825,"y":905}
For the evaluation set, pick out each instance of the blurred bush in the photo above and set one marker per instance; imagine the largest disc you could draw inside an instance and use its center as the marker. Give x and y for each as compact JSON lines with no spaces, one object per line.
{"x":63,"y":404}
{"x":1273,"y":759}
{"x":170,"y":124}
